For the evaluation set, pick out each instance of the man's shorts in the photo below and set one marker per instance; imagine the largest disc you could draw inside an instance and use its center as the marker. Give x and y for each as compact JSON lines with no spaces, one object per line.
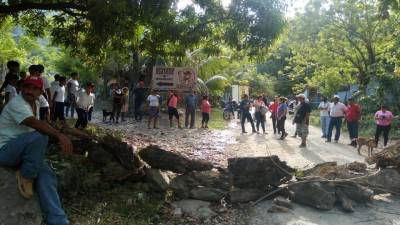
{"x":173,"y":112}
{"x":302,"y":130}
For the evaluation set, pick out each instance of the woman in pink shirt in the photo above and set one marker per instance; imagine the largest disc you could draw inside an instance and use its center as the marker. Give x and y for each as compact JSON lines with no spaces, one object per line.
{"x":172,"y":108}
{"x":383,"y":119}
{"x":205,"y":111}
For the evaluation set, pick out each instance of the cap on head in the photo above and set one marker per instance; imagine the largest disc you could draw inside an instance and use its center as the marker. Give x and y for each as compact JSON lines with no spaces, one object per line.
{"x":336,"y":96}
{"x":35,"y":81}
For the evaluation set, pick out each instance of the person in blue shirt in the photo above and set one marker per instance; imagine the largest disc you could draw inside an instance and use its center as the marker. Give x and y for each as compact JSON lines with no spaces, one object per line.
{"x":190,"y":105}
{"x":245,"y":105}
{"x":281,"y":116}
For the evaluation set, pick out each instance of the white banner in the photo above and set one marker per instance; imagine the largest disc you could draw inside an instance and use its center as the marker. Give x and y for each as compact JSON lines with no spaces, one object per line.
{"x":180,"y":79}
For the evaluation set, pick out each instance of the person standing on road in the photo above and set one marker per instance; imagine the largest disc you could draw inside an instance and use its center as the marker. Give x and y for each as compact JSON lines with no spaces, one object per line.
{"x":118,"y":101}
{"x":72,"y":90}
{"x":154,"y":109}
{"x":190,"y":109}
{"x":172,"y":109}
{"x":245,"y":105}
{"x":302,"y":119}
{"x":296,"y":106}
{"x":281,"y":117}
{"x":337,"y":111}
{"x":205,"y":112}
{"x":273,"y":108}
{"x":125,"y":106}
{"x":260,"y":111}
{"x":324,"y":116}
{"x":383,"y":120}
{"x":58,"y":101}
{"x":140,"y":94}
{"x":353,"y":115}
{"x":84,"y":102}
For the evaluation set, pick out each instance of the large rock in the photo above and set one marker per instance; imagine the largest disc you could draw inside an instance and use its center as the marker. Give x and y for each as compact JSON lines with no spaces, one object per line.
{"x":158,"y":180}
{"x":15,"y":210}
{"x":315,"y":194}
{"x":259,"y":172}
{"x":195,"y":208}
{"x":386,"y":179}
{"x":207,"y":194}
{"x":161,"y":159}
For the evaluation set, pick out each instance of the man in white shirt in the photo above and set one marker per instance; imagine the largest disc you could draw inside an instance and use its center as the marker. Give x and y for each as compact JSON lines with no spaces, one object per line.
{"x":23,"y":143}
{"x":58,"y":100}
{"x":324,"y":116}
{"x":84,"y":101}
{"x":54,"y":84}
{"x":72,"y":90}
{"x":154,"y":108}
{"x":337,"y":111}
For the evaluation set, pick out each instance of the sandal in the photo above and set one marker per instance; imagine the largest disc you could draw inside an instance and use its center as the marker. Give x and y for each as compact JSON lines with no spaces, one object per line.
{"x":24,"y":186}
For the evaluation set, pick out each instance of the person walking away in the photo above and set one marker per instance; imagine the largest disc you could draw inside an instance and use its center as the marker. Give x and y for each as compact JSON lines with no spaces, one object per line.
{"x":260,"y":111}
{"x":140,"y":93}
{"x":172,"y":109}
{"x":13,"y":69}
{"x":353,"y":115}
{"x":302,"y":120}
{"x":23,"y":144}
{"x":337,"y":111}
{"x":205,"y":112}
{"x":11,"y":88}
{"x":245,"y":113}
{"x":190,"y":109}
{"x":281,"y":117}
{"x":84,"y":102}
{"x":383,"y":120}
{"x":274,"y":110}
{"x":125,"y":106}
{"x":118,"y":101}
{"x":72,"y":90}
{"x":154,"y":109}
{"x":58,"y":101}
{"x":324,"y":116}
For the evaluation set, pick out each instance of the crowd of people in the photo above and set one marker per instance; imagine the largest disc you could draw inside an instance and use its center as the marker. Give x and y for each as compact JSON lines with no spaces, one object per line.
{"x":332,"y":115}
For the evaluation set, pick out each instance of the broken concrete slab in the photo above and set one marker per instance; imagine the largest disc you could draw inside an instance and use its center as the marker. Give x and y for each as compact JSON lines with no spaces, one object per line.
{"x":159,"y":158}
{"x":259,"y":172}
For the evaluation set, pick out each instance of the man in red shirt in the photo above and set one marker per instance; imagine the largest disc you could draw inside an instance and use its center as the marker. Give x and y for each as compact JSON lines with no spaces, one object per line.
{"x":273,"y":108}
{"x":353,"y":115}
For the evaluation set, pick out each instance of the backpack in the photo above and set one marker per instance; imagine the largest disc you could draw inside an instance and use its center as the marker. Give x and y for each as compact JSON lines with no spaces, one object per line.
{"x":263,"y":110}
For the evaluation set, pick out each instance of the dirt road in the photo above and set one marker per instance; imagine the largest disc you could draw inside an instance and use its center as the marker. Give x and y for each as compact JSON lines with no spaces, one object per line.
{"x":317,"y":151}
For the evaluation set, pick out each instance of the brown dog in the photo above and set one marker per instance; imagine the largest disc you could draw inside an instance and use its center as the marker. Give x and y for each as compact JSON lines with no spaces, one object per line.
{"x":369,"y":142}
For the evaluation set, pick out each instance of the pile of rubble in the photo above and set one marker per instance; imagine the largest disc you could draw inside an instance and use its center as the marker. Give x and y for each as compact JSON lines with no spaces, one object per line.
{"x":201,"y":190}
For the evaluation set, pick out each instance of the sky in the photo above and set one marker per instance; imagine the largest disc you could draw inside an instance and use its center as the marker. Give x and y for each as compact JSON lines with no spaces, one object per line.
{"x":294,"y":5}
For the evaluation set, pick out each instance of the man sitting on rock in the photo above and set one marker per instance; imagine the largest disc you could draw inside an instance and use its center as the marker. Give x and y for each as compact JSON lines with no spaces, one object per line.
{"x":23,"y":143}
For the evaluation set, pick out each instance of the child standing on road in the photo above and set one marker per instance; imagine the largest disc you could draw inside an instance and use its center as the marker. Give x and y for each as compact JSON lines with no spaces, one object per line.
{"x":84,"y":101}
{"x":58,"y":100}
{"x":118,"y":101}
{"x":205,"y":112}
{"x":125,"y":106}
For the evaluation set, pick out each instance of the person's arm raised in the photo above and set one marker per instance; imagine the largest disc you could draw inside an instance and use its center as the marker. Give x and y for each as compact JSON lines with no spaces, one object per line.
{"x":64,"y":141}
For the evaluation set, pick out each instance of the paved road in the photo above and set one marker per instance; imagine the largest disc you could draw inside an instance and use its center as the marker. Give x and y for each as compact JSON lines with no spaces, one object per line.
{"x":317,"y":151}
